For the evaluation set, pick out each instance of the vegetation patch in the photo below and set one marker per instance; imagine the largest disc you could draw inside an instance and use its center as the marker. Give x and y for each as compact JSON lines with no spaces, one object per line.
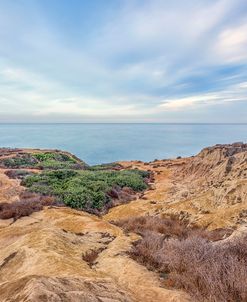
{"x":28,"y":203}
{"x":170,"y":227}
{"x":19,"y":161}
{"x":191,"y":258}
{"x":43,"y":160}
{"x":92,"y":191}
{"x":71,"y":182}
{"x":109,"y":166}
{"x":18,"y":174}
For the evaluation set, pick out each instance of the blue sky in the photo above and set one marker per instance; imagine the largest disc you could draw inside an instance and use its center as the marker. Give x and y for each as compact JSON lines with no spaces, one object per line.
{"x":123,"y":61}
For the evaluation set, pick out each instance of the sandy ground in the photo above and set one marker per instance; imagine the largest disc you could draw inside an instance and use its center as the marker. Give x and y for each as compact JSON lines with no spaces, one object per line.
{"x":50,"y":244}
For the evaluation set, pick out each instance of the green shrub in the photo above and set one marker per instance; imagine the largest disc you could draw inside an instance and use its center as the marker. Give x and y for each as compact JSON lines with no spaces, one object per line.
{"x":45,"y":160}
{"x":84,"y":189}
{"x":84,"y":198}
{"x":62,"y":174}
{"x":130,"y":179}
{"x":47,"y":156}
{"x":52,"y":164}
{"x":19,"y":161}
{"x":109,"y":166}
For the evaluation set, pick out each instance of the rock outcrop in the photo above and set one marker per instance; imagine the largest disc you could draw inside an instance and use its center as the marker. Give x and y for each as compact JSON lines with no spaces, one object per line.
{"x":209,"y":188}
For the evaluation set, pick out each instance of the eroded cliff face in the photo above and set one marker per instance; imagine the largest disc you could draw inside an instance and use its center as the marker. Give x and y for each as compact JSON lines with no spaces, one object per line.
{"x":60,"y":254}
{"x":209,"y":189}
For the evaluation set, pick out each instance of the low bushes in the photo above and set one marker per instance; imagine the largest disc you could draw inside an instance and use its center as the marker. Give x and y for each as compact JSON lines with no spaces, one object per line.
{"x":19,"y":161}
{"x":18,"y":209}
{"x":170,"y":227}
{"x":29,"y":203}
{"x":74,"y":183}
{"x":191,"y":258}
{"x":57,"y":160}
{"x":45,"y":156}
{"x":208,"y":271}
{"x":52,"y":164}
{"x":87,"y":190}
{"x":109,"y":166}
{"x":44,"y":160}
{"x":17,"y":174}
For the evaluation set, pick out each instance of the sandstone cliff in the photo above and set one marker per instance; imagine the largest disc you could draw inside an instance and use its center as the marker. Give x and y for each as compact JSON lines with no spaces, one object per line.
{"x":209,"y":189}
{"x":60,"y":254}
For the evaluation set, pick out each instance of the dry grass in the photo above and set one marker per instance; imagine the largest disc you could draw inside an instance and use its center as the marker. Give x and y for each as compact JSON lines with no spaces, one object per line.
{"x":169,"y":227}
{"x":91,"y":256}
{"x":28,"y":203}
{"x":191,"y":258}
{"x":208,"y":271}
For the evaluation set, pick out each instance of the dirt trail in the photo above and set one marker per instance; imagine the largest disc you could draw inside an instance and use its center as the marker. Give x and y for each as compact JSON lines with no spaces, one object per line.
{"x":152,"y":200}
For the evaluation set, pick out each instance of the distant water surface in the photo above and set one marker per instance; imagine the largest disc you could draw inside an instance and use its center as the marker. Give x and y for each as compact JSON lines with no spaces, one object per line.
{"x":102,"y":143}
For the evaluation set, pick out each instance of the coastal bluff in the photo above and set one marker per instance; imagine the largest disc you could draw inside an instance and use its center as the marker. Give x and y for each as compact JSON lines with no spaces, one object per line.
{"x":59,"y":252}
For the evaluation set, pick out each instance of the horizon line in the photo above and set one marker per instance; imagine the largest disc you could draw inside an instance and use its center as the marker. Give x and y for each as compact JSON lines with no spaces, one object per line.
{"x":121,"y":123}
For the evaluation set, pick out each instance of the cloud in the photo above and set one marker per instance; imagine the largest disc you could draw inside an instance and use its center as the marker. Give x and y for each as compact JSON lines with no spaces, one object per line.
{"x":232,"y":44}
{"x":134,"y":59}
{"x":49,"y":98}
{"x":181,"y":103}
{"x":234,"y":93}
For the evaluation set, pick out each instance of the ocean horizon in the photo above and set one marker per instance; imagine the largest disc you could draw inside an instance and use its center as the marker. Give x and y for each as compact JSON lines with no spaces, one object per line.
{"x":98,"y":143}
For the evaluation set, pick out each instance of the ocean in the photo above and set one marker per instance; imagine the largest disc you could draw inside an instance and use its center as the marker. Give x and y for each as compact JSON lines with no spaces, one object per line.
{"x":103,"y":143}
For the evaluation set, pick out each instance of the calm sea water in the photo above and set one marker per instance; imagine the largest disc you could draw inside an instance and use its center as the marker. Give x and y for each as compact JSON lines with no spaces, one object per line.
{"x":102,"y":143}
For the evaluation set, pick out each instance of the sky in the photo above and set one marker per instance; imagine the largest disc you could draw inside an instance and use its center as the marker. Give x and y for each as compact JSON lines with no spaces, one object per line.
{"x":168,"y":61}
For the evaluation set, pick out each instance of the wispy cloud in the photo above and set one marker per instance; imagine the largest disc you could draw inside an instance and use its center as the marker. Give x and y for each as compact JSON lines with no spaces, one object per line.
{"x":232,"y":44}
{"x":131,"y":60}
{"x":234,"y":93}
